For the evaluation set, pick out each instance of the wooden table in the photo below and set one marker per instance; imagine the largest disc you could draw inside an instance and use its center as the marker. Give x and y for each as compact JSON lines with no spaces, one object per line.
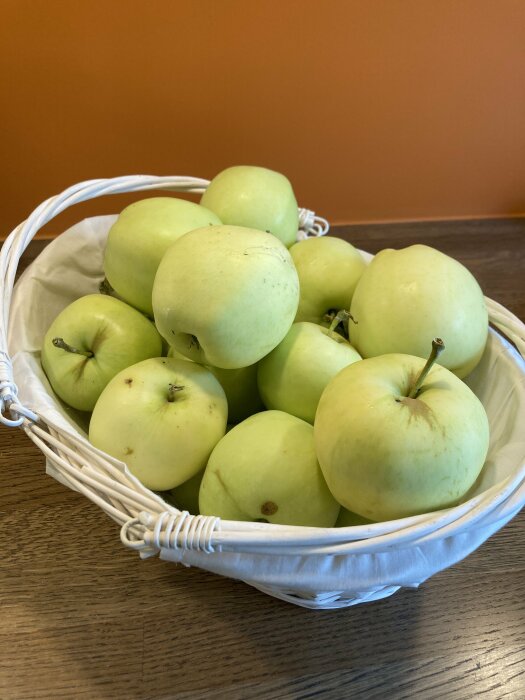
{"x":82,"y":617}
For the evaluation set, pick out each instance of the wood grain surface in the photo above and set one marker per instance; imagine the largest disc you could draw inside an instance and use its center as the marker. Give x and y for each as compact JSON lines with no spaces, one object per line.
{"x":82,"y":617}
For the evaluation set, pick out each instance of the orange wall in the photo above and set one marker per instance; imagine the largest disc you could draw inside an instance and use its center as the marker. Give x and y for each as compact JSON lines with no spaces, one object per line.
{"x":375,"y":109}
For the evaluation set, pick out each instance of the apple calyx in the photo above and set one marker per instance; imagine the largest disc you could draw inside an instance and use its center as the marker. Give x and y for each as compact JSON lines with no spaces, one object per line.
{"x":61,"y":343}
{"x":437,"y":348}
{"x":194,"y":342}
{"x":105,"y":288}
{"x":172,"y":391}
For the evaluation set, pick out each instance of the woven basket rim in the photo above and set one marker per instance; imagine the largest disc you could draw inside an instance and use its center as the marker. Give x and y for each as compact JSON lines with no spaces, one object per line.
{"x":149,"y":524}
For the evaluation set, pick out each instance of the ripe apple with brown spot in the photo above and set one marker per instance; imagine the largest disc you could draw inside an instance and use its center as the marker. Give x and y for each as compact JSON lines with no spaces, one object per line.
{"x":396,"y":436}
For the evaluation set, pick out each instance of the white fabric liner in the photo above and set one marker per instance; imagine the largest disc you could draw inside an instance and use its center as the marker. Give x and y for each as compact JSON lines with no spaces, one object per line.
{"x":71,"y":266}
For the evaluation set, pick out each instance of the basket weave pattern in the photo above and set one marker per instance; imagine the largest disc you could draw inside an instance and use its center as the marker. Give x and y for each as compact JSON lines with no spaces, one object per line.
{"x":151,"y":526}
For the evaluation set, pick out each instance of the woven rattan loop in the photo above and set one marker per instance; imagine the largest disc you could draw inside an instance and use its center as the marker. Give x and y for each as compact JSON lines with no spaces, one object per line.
{"x":127,"y":536}
{"x":169,"y":525}
{"x":24,"y":414}
{"x":311,"y":225}
{"x":197,"y":526}
{"x":12,"y":414}
{"x":210,"y":525}
{"x":170,"y":530}
{"x":184,"y":532}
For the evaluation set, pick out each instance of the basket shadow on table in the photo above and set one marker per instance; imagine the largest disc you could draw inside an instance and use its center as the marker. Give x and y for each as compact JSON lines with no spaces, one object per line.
{"x":151,"y":628}
{"x":97,"y":618}
{"x":93,"y":615}
{"x":224,"y":624}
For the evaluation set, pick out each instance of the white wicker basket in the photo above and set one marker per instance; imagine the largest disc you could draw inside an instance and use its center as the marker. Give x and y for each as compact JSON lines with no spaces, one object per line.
{"x":312,"y":567}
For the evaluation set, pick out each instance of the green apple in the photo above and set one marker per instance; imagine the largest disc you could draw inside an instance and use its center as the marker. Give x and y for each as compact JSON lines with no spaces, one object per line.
{"x":293,"y":376}
{"x":406,"y":297}
{"x":162,"y":417}
{"x":140,"y":237}
{"x":240,"y":387}
{"x":89,"y":342}
{"x":186,"y":496}
{"x":225,"y":295}
{"x":171,"y":352}
{"x":396,"y":436}
{"x":329,"y":270}
{"x":242,"y":393}
{"x":348,"y":519}
{"x":254,"y":197}
{"x":265,"y":469}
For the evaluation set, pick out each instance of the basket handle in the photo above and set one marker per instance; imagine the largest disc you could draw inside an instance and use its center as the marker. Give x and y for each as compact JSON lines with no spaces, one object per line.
{"x":507,"y":323}
{"x":12,"y":414}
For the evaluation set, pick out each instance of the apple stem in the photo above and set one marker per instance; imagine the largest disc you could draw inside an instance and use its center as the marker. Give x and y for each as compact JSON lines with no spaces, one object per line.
{"x":172,"y":391}
{"x":61,"y":343}
{"x":343,"y":317}
{"x":340,"y":317}
{"x":437,"y":348}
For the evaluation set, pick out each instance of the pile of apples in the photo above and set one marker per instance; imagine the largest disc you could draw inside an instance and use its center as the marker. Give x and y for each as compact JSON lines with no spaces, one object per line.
{"x":224,"y":362}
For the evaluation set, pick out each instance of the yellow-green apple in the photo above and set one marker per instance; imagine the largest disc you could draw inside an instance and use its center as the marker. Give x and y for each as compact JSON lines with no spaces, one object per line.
{"x":186,"y":496}
{"x":396,"y":436}
{"x":242,"y":393}
{"x":247,"y":195}
{"x":348,"y":519}
{"x":225,"y":295}
{"x":406,"y":297}
{"x":162,"y":417}
{"x":265,"y":469}
{"x":293,"y":376}
{"x":240,"y":387}
{"x":89,"y":342}
{"x":139,"y":238}
{"x":329,"y":270}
